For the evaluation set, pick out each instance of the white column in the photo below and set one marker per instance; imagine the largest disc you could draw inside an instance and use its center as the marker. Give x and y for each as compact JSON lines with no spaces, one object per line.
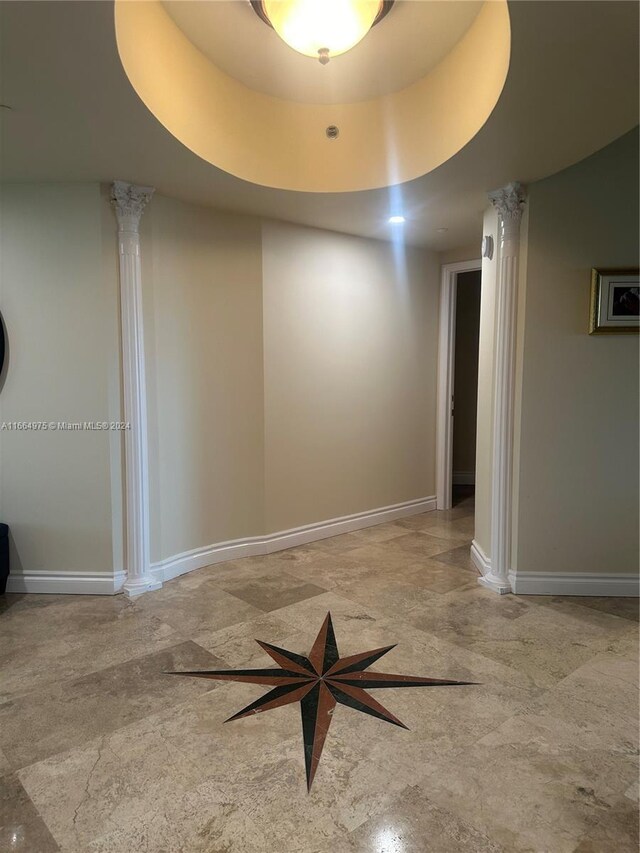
{"x":129,"y":201}
{"x":509,"y":202}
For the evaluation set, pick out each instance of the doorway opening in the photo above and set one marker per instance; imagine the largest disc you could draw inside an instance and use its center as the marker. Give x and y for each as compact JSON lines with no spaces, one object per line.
{"x":458,"y":383}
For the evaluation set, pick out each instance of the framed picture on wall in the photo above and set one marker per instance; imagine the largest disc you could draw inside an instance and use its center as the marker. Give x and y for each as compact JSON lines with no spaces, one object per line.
{"x":615,"y":302}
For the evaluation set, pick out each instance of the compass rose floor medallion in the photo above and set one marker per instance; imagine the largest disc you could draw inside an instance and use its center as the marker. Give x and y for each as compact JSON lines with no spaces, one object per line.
{"x":319,"y":682}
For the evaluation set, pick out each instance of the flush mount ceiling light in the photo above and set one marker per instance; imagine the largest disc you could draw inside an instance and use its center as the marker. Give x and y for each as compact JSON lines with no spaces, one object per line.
{"x":321,"y":28}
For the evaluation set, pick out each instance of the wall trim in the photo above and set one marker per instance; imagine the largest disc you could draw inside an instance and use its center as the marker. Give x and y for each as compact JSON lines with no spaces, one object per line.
{"x":71,"y":583}
{"x":255,"y":546}
{"x":129,"y":202}
{"x":575,"y":583}
{"x":464,"y":478}
{"x":480,"y":559}
{"x":509,"y":202}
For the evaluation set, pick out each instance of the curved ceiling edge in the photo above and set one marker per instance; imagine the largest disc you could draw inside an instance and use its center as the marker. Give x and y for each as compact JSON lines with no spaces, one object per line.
{"x":283,"y":144}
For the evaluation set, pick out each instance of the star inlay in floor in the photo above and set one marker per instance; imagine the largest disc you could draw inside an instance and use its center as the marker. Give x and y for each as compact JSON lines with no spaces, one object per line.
{"x":318,"y":682}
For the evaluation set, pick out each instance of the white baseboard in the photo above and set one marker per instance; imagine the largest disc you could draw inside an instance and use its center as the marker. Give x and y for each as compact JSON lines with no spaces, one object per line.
{"x":71,"y":583}
{"x":255,"y":546}
{"x":574,"y":583}
{"x":102,"y":584}
{"x":464,"y":478}
{"x":480,"y":559}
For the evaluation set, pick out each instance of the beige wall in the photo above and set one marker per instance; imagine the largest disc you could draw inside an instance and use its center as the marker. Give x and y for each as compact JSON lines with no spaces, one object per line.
{"x":577,"y":464}
{"x":350,"y":372}
{"x":466,"y":373}
{"x":202,"y":281}
{"x":336,"y":407}
{"x":58,"y":284}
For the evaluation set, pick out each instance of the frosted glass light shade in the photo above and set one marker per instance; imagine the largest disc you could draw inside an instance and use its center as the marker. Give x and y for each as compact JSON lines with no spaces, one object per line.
{"x":322,"y":28}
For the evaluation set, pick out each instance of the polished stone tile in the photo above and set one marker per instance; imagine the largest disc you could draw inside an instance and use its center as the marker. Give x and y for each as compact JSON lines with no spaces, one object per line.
{"x":439,"y":577}
{"x":5,"y":765}
{"x":420,"y":543}
{"x":309,"y":614}
{"x":595,"y":707}
{"x":191,"y":610}
{"x":236,"y":645}
{"x":380,"y":533}
{"x":534,"y":796}
{"x":625,"y":608}
{"x":326,"y":570}
{"x":123,"y":783}
{"x":54,"y":649}
{"x":271,"y":591}
{"x":460,"y":557}
{"x":336,"y":544}
{"x":460,"y":529}
{"x":413,"y":824}
{"x":347,"y":790}
{"x":201,"y":820}
{"x":121,"y":780}
{"x":21,"y":828}
{"x":540,"y":641}
{"x":42,"y":723}
{"x":386,"y":595}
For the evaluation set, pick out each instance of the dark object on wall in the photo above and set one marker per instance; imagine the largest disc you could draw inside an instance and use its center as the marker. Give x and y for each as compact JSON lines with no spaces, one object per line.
{"x":1,"y":343}
{"x":4,"y":557}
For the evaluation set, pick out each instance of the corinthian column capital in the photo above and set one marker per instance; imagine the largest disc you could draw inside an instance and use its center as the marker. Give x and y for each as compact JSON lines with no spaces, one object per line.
{"x":129,"y":201}
{"x":509,"y":201}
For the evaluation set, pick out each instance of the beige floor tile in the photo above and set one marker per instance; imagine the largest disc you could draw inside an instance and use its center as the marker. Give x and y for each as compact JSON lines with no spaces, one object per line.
{"x":309,"y":614}
{"x":190,"y":611}
{"x":538,"y":640}
{"x":326,"y":570}
{"x":460,"y":557}
{"x":236,"y":645}
{"x":119,"y":780}
{"x":535,"y":796}
{"x":347,"y":790}
{"x":624,"y":608}
{"x":340,"y":544}
{"x":455,"y":530}
{"x":22,"y":830}
{"x":380,"y":532}
{"x":271,"y":591}
{"x":421,"y":544}
{"x":439,"y":577}
{"x":5,"y":765}
{"x":413,"y":824}
{"x":386,"y":595}
{"x":36,"y":725}
{"x":41,"y":645}
{"x":201,"y":820}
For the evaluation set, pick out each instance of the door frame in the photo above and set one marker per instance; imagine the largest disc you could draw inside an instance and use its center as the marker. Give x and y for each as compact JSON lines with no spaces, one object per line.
{"x":446,"y":374}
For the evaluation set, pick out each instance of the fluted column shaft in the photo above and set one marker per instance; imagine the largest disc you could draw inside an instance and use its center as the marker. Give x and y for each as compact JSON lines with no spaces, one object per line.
{"x":509,"y":202}
{"x":129,"y":201}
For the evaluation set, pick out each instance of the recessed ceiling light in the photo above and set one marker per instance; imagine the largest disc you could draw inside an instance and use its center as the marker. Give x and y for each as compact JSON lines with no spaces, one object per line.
{"x":442,"y":230}
{"x":396,"y":220}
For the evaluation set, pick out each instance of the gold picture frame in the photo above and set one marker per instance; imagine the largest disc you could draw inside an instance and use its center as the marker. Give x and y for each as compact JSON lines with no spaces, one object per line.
{"x":615,"y":302}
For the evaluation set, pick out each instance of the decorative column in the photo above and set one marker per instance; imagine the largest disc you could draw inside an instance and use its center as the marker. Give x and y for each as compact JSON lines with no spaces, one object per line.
{"x":509,"y":202}
{"x":129,"y":201}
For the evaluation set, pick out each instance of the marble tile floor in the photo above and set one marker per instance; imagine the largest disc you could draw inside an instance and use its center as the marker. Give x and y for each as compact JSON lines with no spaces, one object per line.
{"x":101,"y":752}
